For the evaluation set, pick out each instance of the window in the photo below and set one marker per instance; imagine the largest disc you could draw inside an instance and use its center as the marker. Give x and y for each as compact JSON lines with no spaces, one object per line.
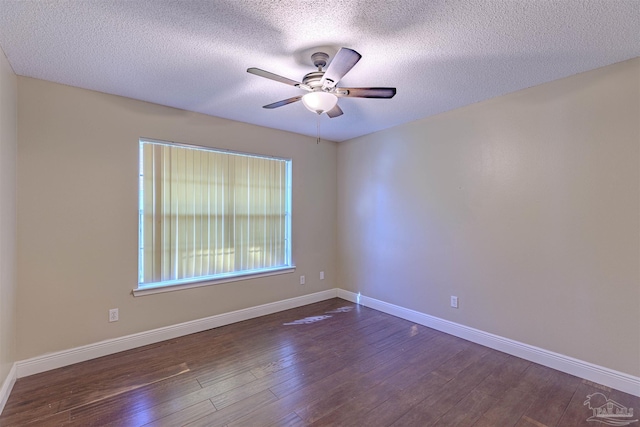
{"x":208,"y":215}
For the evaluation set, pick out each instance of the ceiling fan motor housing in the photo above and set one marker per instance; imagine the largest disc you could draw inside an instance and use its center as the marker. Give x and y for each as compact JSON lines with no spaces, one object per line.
{"x":313,"y":79}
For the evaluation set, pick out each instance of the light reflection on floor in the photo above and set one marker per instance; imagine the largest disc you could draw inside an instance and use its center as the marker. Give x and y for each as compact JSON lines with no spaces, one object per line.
{"x":314,"y":319}
{"x":139,"y":397}
{"x":341,"y":310}
{"x":307,"y":320}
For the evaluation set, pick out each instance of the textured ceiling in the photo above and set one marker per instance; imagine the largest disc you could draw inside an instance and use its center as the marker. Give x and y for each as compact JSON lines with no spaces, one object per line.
{"x":194,"y":54}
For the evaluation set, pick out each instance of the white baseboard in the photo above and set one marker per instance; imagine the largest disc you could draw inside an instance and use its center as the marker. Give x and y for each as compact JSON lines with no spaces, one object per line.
{"x":103,"y":348}
{"x":598,"y":374}
{"x":7,"y":386}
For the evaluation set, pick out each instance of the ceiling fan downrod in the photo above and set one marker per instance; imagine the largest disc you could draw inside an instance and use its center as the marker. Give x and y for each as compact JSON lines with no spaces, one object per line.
{"x":320,"y":59}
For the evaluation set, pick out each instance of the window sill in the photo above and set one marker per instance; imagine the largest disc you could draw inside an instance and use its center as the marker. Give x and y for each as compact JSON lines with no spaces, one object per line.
{"x":138,"y":292}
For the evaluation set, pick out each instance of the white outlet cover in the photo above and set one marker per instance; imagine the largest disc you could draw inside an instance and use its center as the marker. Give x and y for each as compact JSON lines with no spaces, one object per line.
{"x":302,"y":280}
{"x":322,"y":275}
{"x":113,"y":315}
{"x":454,"y":302}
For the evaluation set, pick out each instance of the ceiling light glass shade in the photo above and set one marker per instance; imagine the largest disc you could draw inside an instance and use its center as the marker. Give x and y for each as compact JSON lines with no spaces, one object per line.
{"x":319,"y":102}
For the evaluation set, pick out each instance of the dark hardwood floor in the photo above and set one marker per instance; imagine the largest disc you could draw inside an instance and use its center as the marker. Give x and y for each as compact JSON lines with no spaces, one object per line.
{"x":330,"y":363}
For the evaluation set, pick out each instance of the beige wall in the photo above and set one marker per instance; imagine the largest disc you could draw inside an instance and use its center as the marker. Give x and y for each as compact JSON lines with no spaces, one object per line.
{"x":525,"y":206}
{"x":8,"y":160}
{"x":77,"y":210}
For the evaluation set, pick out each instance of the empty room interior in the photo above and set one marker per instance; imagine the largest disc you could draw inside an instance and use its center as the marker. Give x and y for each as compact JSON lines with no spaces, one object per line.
{"x":261,"y":213}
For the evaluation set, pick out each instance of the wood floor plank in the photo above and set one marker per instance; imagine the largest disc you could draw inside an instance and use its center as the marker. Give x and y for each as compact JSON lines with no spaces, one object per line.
{"x":135,"y":404}
{"x":116,"y":385}
{"x":434,"y":406}
{"x":184,"y":416}
{"x":182,"y":402}
{"x":59,"y":419}
{"x":309,"y":367}
{"x":506,"y":411}
{"x":386,"y":412}
{"x":525,"y":421}
{"x":310,"y":373}
{"x":295,"y":392}
{"x":244,"y":358}
{"x":468,"y":356}
{"x":335,"y":390}
{"x":551,"y":399}
{"x":387,"y":380}
{"x":348,"y":383}
{"x":263,"y":384}
{"x":502,"y":379}
{"x":235,"y":411}
{"x":467,"y":411}
{"x":329,"y":363}
{"x":290,"y":420}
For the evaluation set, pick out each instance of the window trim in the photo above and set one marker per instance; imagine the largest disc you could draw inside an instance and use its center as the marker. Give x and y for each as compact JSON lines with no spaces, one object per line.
{"x":197,"y":282}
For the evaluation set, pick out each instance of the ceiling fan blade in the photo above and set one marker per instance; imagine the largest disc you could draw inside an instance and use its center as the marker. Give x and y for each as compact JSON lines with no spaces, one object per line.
{"x":335,"y":112}
{"x":366,"y":92}
{"x":268,"y":75}
{"x":340,"y":65}
{"x":283,"y":102}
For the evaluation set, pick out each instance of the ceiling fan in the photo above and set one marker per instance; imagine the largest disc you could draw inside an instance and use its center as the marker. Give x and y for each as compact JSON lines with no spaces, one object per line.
{"x":323,"y":94}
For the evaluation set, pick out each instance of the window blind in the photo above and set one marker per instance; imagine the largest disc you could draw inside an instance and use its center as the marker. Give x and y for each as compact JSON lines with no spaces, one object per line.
{"x":208,"y":214}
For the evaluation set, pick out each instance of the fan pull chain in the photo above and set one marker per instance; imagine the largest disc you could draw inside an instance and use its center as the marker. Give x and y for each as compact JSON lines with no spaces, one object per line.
{"x":318,"y":130}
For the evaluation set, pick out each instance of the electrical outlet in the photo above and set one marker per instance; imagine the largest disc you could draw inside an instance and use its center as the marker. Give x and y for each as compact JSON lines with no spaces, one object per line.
{"x":454,"y":301}
{"x":302,"y":280}
{"x":322,"y":275}
{"x":113,"y":315}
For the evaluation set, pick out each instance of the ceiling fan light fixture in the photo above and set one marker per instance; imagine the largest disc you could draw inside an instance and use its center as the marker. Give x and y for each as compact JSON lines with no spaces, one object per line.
{"x":323,"y":92}
{"x":319,"y":102}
